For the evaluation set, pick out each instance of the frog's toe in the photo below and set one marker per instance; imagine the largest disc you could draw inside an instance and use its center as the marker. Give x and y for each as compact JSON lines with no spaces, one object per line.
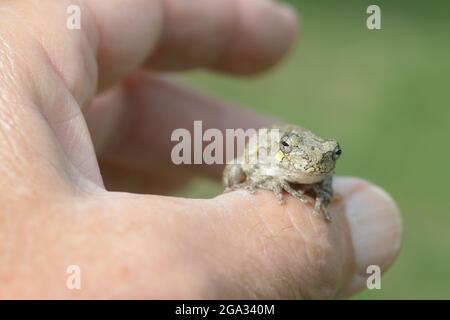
{"x":326,"y":214}
{"x":317,"y":206}
{"x":250,"y":188}
{"x":280,"y":197}
{"x":300,"y":196}
{"x":231,"y":188}
{"x":321,"y":209}
{"x":317,"y":212}
{"x":278,"y":192}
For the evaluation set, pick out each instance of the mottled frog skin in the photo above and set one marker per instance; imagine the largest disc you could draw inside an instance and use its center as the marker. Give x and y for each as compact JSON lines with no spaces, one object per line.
{"x":297,"y":162}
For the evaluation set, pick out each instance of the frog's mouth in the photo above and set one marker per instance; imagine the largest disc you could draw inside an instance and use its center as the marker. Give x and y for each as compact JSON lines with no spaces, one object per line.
{"x":323,"y":168}
{"x":309,"y":179}
{"x":304,"y":177}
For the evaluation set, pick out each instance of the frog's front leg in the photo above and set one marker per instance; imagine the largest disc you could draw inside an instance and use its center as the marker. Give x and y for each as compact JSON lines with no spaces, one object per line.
{"x":277,"y":185}
{"x":233,"y":177}
{"x":324,"y":193}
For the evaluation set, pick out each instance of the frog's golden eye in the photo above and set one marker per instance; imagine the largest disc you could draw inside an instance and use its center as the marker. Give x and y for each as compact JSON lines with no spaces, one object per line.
{"x":285,"y":144}
{"x":337,"y":153}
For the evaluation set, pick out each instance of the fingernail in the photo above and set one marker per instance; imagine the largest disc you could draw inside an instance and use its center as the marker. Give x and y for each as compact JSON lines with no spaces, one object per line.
{"x":376,"y":228}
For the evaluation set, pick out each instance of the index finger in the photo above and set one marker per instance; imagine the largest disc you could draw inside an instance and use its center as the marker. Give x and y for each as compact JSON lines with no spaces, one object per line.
{"x":239,"y":36}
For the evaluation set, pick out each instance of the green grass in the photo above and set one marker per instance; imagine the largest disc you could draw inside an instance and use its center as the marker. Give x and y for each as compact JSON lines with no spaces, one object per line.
{"x":385,"y":96}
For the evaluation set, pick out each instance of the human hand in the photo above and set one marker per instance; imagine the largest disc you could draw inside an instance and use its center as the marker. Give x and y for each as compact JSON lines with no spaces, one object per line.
{"x":55,"y":83}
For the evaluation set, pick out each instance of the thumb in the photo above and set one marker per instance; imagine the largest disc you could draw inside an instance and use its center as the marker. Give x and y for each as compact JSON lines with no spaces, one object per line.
{"x":375,"y":226}
{"x":285,"y":251}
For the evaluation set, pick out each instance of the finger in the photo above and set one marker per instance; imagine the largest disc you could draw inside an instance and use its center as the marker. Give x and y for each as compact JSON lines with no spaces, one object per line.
{"x":132,"y":125}
{"x":229,"y":35}
{"x":236,"y":245}
{"x":234,"y":36}
{"x":376,"y":229}
{"x":287,"y":252}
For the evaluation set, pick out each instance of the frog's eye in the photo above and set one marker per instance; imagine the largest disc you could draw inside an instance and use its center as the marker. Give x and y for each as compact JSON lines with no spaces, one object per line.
{"x":337,"y":153}
{"x":285,"y":146}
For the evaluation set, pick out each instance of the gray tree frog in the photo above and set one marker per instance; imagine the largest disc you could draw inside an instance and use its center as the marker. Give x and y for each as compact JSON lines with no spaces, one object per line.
{"x":298,"y":163}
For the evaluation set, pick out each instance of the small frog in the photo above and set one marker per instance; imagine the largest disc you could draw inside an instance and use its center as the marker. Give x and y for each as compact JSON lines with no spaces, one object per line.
{"x":297,"y":162}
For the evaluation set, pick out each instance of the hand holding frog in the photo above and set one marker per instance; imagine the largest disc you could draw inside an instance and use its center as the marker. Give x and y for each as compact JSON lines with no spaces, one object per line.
{"x":79,"y":110}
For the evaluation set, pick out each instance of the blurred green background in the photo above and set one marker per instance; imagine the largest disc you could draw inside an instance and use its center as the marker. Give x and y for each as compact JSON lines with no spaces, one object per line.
{"x":384,"y":94}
